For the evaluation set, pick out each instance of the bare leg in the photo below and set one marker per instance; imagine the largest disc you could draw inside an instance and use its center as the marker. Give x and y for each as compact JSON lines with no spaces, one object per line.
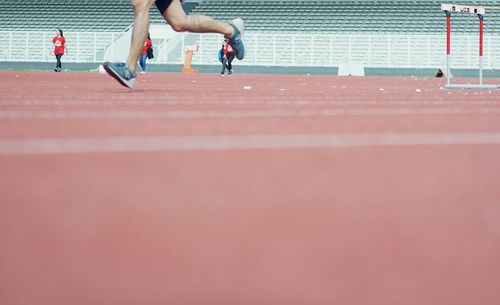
{"x":140,"y":31}
{"x":181,"y":22}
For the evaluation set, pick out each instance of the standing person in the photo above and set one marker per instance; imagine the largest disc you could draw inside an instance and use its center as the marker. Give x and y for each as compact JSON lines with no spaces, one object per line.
{"x":227,"y":57}
{"x":144,"y":53}
{"x":59,"y":43}
{"x":174,"y":14}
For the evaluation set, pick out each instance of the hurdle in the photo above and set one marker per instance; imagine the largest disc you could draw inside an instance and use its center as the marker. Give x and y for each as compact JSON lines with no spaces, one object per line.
{"x":188,"y":58}
{"x":480,"y":11}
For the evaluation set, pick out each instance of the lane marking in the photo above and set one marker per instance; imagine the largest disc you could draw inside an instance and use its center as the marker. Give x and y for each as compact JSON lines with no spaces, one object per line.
{"x":339,"y":100}
{"x":186,"y":114}
{"x":42,"y":146}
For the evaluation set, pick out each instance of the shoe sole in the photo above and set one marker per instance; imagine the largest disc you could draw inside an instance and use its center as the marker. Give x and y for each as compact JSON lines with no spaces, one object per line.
{"x":121,"y":80}
{"x":240,"y":26}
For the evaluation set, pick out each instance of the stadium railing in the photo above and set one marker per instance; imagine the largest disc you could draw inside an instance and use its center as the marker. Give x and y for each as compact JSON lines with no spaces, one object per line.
{"x":326,"y":50}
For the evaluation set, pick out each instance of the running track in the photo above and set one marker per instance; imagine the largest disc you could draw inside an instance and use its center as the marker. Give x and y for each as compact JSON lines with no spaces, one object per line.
{"x":255,"y":189}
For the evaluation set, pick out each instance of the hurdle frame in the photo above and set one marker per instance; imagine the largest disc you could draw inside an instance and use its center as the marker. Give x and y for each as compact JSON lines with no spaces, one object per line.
{"x":480,"y":11}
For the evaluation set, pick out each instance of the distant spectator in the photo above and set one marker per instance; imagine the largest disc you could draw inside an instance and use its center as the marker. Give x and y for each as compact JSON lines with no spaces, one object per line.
{"x":146,"y":53}
{"x":227,"y":57}
{"x":59,"y":43}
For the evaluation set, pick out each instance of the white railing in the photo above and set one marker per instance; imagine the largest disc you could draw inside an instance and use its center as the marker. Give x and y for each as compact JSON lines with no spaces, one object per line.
{"x":37,"y":46}
{"x":377,"y":51}
{"x":322,"y":50}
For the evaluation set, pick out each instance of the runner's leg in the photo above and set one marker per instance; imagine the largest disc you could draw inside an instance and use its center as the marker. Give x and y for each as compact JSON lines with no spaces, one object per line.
{"x":140,"y":31}
{"x":181,"y":22}
{"x":174,"y":14}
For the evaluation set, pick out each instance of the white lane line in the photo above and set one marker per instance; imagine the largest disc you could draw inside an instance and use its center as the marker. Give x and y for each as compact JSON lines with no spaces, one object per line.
{"x":186,"y":114}
{"x":238,"y":142}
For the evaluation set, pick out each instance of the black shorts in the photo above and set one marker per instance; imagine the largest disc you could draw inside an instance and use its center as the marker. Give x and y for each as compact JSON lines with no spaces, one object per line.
{"x":162,"y":5}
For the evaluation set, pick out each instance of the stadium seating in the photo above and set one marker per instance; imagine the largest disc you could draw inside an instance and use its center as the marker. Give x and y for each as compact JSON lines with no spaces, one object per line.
{"x":310,"y":16}
{"x":346,"y":16}
{"x":69,"y":15}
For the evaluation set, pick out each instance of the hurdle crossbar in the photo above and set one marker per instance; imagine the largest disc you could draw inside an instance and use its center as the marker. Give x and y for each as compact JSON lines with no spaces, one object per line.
{"x":480,"y":11}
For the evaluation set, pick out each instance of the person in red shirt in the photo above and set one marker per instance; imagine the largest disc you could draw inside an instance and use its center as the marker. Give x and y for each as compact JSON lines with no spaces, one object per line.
{"x":227,"y":57}
{"x":59,"y":43}
{"x":144,"y":53}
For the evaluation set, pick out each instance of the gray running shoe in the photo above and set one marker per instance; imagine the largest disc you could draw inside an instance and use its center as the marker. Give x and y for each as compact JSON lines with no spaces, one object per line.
{"x":236,"y":41}
{"x":120,"y":72}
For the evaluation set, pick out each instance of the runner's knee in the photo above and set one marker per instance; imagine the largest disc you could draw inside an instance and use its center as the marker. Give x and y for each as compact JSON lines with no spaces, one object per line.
{"x":180,"y":24}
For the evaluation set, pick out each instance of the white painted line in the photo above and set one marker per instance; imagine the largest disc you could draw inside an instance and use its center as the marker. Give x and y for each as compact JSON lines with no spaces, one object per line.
{"x":486,"y":99}
{"x":188,"y":114}
{"x":238,"y":142}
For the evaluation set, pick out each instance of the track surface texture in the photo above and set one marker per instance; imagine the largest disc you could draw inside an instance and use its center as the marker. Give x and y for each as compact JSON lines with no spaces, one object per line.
{"x":251,"y":189}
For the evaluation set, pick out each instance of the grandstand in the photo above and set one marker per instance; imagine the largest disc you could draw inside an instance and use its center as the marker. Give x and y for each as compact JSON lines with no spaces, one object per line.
{"x":81,"y":16}
{"x":324,"y":33}
{"x":315,"y":16}
{"x":346,"y":16}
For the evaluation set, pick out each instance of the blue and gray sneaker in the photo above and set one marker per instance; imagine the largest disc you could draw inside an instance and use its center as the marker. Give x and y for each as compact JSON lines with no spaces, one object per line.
{"x":120,"y":72}
{"x":236,"y":41}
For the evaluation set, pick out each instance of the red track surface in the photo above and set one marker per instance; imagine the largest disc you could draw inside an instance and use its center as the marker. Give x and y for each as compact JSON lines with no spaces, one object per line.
{"x":385,"y":221}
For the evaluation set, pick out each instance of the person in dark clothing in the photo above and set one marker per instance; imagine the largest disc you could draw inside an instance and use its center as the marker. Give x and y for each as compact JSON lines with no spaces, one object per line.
{"x":227,"y":57}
